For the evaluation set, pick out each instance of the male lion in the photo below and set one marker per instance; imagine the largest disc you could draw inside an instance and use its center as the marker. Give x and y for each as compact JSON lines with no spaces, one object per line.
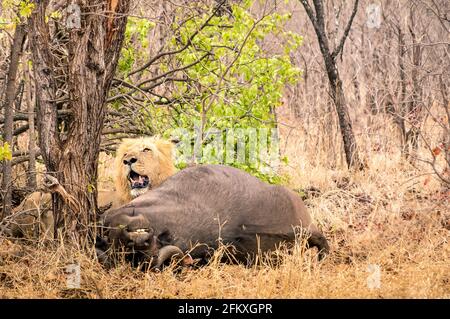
{"x":140,"y":164}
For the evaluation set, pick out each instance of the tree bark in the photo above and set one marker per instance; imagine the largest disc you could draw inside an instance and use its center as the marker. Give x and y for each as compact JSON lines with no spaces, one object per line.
{"x":400,"y":119}
{"x":70,"y":147}
{"x":317,"y":17}
{"x":31,"y":173}
{"x":8,"y":107}
{"x":415,"y":105}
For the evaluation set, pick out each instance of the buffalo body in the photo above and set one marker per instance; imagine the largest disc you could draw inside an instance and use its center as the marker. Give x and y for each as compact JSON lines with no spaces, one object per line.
{"x":200,"y":207}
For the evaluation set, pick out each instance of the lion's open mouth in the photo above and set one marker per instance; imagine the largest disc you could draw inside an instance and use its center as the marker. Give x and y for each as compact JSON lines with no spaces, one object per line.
{"x":137,"y":180}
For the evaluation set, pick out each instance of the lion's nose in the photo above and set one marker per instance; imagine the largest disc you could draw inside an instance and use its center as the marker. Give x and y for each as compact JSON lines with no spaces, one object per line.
{"x":130,"y":161}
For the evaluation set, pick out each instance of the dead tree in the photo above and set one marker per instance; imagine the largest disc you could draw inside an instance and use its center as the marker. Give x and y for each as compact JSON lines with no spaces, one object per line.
{"x":74,"y":65}
{"x":8,"y":107}
{"x":31,"y":173}
{"x":415,"y":105}
{"x":317,"y":18}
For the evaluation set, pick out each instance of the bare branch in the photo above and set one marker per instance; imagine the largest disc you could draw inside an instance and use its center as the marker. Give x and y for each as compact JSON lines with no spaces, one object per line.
{"x":310,"y":13}
{"x":185,"y":67}
{"x":339,"y":48}
{"x":184,"y":47}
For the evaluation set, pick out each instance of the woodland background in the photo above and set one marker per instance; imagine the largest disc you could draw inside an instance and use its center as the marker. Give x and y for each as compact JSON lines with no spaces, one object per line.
{"x":358,"y":90}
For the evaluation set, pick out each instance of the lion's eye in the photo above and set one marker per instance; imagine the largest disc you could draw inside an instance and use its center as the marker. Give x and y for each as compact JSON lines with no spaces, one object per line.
{"x":146,"y":150}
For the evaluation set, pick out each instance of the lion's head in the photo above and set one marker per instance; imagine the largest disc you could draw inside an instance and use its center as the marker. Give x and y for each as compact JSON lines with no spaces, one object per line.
{"x":141,"y":164}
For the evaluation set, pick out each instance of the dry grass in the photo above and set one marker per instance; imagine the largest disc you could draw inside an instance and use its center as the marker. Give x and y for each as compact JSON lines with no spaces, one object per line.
{"x":411,"y":250}
{"x":376,"y":220}
{"x":390,"y":216}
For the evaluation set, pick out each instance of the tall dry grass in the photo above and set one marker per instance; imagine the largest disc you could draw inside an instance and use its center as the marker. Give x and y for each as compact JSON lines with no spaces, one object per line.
{"x":392,"y":216}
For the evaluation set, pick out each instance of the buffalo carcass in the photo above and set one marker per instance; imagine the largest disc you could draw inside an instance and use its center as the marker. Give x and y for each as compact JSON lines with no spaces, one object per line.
{"x":200,"y":207}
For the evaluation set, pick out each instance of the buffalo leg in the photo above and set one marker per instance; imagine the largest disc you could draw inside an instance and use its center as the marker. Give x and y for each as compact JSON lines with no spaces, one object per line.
{"x":317,"y":239}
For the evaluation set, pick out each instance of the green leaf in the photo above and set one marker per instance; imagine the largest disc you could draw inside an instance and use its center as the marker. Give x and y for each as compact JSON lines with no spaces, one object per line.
{"x":25,"y":8}
{"x":5,"y":152}
{"x":236,"y":86}
{"x":90,"y":188}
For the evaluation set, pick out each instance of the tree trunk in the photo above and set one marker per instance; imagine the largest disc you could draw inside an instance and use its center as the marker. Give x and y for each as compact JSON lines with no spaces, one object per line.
{"x":345,"y":125}
{"x":415,"y":105}
{"x":8,"y":107}
{"x":70,"y":147}
{"x":399,"y":116}
{"x":317,"y":17}
{"x":31,"y":173}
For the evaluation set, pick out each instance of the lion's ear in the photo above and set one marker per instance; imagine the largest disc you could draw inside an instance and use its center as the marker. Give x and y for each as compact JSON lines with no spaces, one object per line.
{"x":165,"y":147}
{"x":123,"y":147}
